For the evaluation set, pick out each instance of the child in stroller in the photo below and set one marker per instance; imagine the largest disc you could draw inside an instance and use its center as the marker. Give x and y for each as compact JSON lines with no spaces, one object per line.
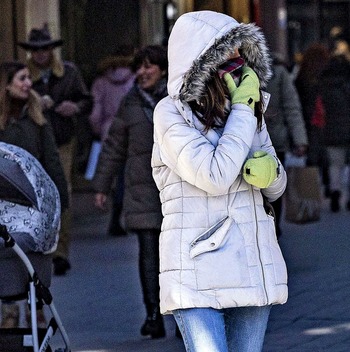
{"x":29,"y":226}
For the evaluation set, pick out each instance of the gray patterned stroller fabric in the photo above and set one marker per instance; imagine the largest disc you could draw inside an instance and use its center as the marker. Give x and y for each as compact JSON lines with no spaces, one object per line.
{"x":29,"y":201}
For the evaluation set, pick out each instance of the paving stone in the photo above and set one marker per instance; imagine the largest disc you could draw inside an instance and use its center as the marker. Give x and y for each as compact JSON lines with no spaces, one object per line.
{"x":101,"y":306}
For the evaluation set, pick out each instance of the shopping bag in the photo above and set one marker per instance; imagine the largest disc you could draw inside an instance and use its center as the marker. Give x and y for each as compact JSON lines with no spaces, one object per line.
{"x":303,"y":195}
{"x":92,"y":161}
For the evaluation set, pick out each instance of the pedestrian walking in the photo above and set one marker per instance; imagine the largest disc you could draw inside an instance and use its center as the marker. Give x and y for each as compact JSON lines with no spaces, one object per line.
{"x":114,"y":81}
{"x":221,"y":267}
{"x":335,"y":97}
{"x":129,"y":142}
{"x":66,"y":102}
{"x":308,"y":83}
{"x":285,"y":121}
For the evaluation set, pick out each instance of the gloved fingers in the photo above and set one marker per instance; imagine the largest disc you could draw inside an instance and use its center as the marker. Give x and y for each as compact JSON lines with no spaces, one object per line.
{"x":251,"y":82}
{"x":255,"y":169}
{"x":231,"y":85}
{"x":249,"y":78}
{"x":262,"y":159}
{"x":249,"y":72}
{"x":248,"y":165}
{"x":248,"y":178}
{"x":261,"y":170}
{"x":259,"y":154}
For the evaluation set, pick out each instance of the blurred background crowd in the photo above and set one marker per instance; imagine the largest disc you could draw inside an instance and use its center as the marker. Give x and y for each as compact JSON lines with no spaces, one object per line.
{"x":89,"y":61}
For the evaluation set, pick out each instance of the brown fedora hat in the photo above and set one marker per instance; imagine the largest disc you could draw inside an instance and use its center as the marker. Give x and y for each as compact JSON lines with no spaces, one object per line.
{"x":40,"y":38}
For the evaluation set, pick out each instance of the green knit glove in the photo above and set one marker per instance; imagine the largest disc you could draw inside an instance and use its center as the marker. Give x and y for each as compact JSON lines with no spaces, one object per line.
{"x":260,"y":170}
{"x":248,"y":90}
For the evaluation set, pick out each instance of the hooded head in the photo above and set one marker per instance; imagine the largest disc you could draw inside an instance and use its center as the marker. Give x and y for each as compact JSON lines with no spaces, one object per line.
{"x":201,"y":41}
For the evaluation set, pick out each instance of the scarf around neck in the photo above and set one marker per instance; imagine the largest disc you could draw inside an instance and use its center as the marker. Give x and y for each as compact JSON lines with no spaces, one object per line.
{"x":151,"y":98}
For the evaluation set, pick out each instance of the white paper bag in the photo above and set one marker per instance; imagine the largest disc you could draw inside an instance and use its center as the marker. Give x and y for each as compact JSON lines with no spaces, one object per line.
{"x":93,"y":159}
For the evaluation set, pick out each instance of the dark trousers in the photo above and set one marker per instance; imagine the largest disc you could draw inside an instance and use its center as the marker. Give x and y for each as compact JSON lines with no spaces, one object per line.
{"x":149,"y":266}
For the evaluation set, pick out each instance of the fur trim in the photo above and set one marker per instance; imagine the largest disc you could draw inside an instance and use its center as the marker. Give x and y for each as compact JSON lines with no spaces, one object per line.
{"x":56,"y":66}
{"x":251,"y":42}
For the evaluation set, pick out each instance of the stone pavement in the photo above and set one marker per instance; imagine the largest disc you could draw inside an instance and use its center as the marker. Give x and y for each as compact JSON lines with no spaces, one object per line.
{"x":100,"y":303}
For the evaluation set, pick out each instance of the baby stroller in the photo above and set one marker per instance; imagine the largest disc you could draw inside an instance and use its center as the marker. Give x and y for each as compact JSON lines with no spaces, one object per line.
{"x":29,"y":225}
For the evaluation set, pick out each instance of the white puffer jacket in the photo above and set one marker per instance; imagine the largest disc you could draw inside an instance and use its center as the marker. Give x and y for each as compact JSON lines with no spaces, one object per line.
{"x":218,"y":246}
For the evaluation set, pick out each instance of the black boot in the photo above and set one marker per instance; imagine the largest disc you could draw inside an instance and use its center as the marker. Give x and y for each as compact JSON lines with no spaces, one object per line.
{"x":154,"y":324}
{"x":335,"y":207}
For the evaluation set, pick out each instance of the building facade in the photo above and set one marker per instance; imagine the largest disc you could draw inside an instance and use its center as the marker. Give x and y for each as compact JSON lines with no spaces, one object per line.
{"x":94,"y":29}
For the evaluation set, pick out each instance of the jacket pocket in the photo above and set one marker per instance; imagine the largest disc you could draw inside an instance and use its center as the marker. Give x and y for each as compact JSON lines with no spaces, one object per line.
{"x":221,"y":246}
{"x":211,"y":239}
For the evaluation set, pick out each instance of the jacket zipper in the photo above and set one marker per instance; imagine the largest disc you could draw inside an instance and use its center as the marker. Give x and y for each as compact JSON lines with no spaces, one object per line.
{"x":258,"y":248}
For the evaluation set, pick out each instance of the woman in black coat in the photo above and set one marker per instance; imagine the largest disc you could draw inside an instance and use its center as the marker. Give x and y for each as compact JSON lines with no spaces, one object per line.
{"x":130,"y":142}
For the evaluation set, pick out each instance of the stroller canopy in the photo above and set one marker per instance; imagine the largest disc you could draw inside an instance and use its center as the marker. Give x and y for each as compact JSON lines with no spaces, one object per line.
{"x":29,"y":200}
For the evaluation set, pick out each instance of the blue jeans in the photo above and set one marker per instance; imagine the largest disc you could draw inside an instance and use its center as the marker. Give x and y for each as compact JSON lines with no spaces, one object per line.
{"x":239,"y":329}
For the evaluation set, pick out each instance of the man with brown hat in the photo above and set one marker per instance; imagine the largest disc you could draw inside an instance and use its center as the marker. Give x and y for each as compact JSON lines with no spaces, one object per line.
{"x":65,"y":100}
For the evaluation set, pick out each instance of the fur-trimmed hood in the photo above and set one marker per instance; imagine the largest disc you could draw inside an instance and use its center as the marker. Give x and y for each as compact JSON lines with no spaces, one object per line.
{"x":201,"y":41}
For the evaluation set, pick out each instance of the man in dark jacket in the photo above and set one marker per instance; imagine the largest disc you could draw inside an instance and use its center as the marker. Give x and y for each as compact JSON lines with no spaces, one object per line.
{"x":284,"y":121}
{"x":66,"y":100}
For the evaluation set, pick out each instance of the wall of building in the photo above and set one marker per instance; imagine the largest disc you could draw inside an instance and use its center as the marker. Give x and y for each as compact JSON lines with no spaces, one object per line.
{"x":311,"y":21}
{"x":12,"y":27}
{"x":93,"y":29}
{"x":17,"y":17}
{"x":273,"y":16}
{"x":6,"y":31}
{"x":37,"y":12}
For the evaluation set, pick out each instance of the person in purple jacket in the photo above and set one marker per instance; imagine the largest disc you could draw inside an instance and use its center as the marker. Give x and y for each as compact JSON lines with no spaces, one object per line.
{"x":114,"y":81}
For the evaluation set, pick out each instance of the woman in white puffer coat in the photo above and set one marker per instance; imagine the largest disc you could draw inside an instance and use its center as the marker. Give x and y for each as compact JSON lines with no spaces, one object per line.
{"x":221,"y":267}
